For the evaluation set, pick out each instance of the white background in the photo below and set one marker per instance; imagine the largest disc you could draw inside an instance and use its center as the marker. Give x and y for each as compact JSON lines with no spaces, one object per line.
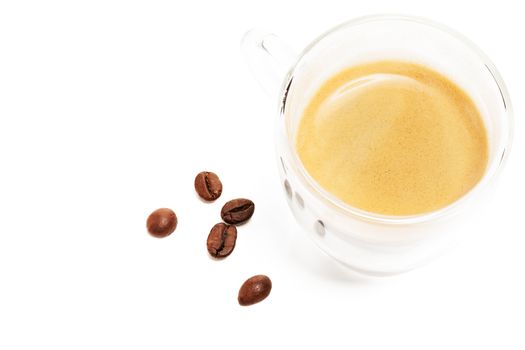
{"x":108,"y":109}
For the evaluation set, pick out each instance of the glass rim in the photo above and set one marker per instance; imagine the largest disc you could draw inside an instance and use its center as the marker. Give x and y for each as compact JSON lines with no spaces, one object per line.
{"x":493,"y":168}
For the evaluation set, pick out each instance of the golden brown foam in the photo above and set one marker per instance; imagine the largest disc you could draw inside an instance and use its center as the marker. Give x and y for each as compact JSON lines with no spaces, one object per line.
{"x":393,"y":138}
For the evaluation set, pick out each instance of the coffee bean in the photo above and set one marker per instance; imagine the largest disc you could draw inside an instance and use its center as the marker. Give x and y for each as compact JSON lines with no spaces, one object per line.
{"x":208,"y":185}
{"x":221,"y":240}
{"x":162,"y":222}
{"x":237,"y":211}
{"x":254,"y":290}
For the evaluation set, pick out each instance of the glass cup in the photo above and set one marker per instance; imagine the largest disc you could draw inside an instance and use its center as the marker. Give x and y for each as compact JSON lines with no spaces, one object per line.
{"x":367,"y":242}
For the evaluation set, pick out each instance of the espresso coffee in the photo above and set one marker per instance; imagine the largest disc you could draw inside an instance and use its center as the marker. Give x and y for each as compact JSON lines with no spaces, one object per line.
{"x":394,"y":138}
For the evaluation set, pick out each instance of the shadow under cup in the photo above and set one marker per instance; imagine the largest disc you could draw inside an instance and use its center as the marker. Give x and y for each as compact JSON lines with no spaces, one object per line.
{"x":367,"y":242}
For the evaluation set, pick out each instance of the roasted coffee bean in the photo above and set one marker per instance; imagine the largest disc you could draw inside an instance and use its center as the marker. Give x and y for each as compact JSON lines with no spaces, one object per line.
{"x":221,"y":240}
{"x":254,"y":290}
{"x":162,"y":222}
{"x":208,"y":185}
{"x":237,"y":211}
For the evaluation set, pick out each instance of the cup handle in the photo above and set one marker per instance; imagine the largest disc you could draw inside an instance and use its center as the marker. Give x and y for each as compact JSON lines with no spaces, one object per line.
{"x":269,"y":59}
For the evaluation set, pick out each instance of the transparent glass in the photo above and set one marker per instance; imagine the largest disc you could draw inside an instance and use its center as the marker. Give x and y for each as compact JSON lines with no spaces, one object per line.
{"x":363,"y":241}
